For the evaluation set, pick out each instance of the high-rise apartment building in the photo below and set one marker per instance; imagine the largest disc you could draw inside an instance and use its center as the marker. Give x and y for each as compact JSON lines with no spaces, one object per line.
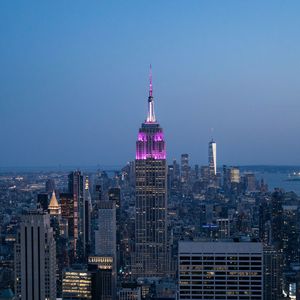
{"x":151,"y":198}
{"x":212,"y":158}
{"x":35,"y":258}
{"x":220,"y":270}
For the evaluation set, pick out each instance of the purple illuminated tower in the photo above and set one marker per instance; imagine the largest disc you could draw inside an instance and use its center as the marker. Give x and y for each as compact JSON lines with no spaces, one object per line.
{"x":150,"y":258}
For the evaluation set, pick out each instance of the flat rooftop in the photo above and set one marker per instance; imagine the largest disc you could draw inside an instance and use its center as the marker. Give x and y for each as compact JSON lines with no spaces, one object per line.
{"x":219,"y":247}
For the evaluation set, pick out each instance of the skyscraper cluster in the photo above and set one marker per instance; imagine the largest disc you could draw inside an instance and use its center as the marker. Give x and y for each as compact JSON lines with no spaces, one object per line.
{"x":152,"y":230}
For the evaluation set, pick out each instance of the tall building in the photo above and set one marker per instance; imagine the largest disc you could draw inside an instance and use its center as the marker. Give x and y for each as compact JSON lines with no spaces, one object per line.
{"x":105,"y":236}
{"x":250,"y":184}
{"x":151,"y":198}
{"x":105,"y":258}
{"x":272,"y":273}
{"x":212,"y":158}
{"x":86,"y":219}
{"x":220,"y":270}
{"x":75,"y":184}
{"x":103,"y":277}
{"x":114,"y":195}
{"x":77,"y":283}
{"x":81,"y":219}
{"x":185,"y":168}
{"x":67,"y":212}
{"x":35,"y":258}
{"x":277,"y":219}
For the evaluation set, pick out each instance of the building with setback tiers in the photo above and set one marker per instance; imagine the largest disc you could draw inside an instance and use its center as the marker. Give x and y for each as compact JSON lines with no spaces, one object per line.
{"x":150,"y":257}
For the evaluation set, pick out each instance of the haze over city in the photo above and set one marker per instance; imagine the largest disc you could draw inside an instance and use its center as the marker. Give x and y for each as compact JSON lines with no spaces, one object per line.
{"x":74,"y":80}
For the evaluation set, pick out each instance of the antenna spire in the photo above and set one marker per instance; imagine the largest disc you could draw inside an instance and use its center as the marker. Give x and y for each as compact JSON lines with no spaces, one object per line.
{"x":150,"y":82}
{"x":151,"y":116}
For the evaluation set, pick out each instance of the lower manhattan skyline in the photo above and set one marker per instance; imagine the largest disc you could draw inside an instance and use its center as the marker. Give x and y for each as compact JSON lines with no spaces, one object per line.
{"x":82,"y":73}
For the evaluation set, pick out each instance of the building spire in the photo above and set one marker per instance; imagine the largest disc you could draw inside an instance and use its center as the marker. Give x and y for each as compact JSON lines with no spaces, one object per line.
{"x":151,"y":115}
{"x":150,"y":82}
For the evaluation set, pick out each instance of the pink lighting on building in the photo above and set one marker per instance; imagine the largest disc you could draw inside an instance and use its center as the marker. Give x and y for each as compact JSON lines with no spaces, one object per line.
{"x":150,"y":143}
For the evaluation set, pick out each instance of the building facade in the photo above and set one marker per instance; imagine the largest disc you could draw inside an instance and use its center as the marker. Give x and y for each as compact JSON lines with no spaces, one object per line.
{"x":77,"y":283}
{"x":150,"y":257}
{"x":35,"y":258}
{"x":212,"y":158}
{"x":220,"y":270}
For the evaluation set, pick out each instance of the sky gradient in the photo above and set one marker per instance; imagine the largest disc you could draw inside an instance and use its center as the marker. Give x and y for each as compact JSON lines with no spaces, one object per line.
{"x":74,"y":80}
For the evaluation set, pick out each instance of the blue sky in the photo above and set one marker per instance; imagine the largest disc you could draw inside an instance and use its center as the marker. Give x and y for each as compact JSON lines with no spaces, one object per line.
{"x":74,"y":80}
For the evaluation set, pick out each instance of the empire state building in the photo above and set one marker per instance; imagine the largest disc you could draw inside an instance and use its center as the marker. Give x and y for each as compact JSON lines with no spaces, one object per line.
{"x":150,"y":259}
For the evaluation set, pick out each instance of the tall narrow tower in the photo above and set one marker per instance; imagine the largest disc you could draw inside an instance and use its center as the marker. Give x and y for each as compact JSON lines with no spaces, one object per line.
{"x":151,"y":197}
{"x":212,"y":158}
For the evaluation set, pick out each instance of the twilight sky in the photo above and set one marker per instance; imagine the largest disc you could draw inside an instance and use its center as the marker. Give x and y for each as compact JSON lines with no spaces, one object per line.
{"x":74,"y":80}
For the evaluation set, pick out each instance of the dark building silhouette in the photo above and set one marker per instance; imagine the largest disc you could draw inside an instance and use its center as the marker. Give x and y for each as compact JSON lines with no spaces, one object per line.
{"x":43,"y":201}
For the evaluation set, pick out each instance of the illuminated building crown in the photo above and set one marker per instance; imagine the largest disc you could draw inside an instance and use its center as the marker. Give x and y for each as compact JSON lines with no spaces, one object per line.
{"x":150,"y":143}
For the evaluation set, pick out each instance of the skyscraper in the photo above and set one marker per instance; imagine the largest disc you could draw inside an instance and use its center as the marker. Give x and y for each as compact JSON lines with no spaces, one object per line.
{"x":105,"y":236}
{"x":114,"y":195}
{"x":106,"y":251}
{"x":79,"y":188}
{"x":272,"y":260}
{"x":185,"y":168}
{"x":103,"y":275}
{"x":86,"y":219}
{"x":151,"y":198}
{"x":76,"y":189}
{"x":35,"y":261}
{"x":212,"y":158}
{"x":220,"y":270}
{"x":67,"y":212}
{"x":77,"y":283}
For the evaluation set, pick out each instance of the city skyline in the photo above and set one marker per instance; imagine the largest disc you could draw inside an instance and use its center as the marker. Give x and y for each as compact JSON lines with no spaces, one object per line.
{"x":230,"y":66}
{"x":150,"y":150}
